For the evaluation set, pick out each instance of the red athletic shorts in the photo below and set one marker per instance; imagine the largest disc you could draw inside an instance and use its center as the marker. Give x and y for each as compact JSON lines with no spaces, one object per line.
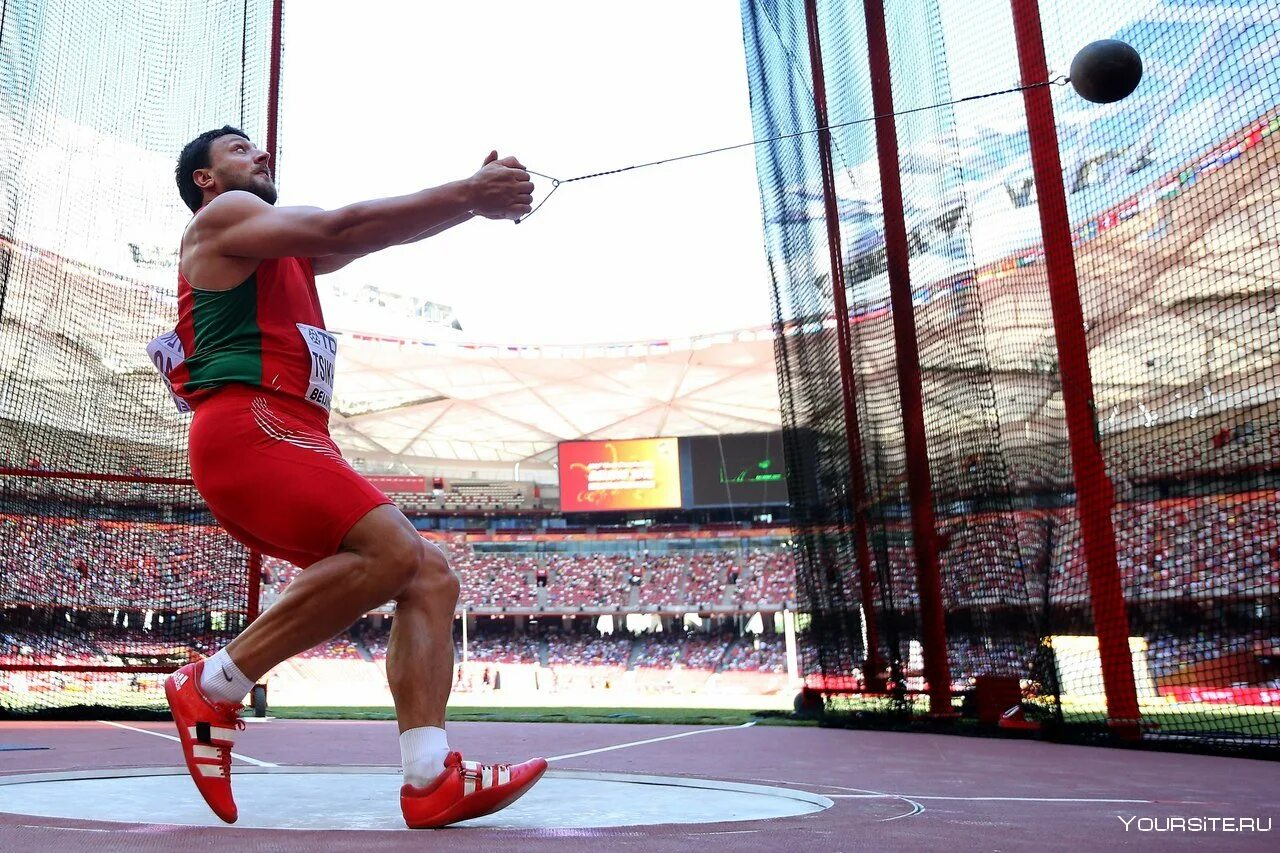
{"x":272,"y":476}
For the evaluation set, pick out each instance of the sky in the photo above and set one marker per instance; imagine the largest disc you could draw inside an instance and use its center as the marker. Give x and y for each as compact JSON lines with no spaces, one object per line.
{"x":404,"y":96}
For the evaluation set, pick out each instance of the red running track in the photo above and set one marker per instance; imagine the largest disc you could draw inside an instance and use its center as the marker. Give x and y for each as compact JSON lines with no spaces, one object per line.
{"x":891,"y":790}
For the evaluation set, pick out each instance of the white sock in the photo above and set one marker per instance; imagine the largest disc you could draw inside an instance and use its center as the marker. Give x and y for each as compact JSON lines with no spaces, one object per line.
{"x":222,"y":680}
{"x":423,"y":752}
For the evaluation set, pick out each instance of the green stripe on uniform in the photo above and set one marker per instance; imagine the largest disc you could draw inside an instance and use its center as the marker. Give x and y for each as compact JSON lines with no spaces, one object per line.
{"x":227,"y":336}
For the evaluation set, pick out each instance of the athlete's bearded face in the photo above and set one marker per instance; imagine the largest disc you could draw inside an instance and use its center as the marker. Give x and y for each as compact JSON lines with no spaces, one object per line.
{"x":238,"y":164}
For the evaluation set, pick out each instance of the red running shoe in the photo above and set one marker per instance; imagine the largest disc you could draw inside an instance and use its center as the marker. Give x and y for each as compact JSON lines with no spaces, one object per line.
{"x":466,"y":789}
{"x":207,"y":730}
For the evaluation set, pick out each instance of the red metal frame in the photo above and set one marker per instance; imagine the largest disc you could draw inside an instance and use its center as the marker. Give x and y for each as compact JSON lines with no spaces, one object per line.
{"x":1095,"y":496}
{"x":873,"y":665}
{"x":907,"y":350}
{"x":255,"y":584}
{"x":273,"y":86}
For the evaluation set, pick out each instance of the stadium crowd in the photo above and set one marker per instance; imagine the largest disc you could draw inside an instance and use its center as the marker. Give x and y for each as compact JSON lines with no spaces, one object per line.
{"x":29,"y":646}
{"x":492,"y":580}
{"x":1226,"y":546}
{"x":1176,"y":548}
{"x":1222,"y":548}
{"x":339,"y":648}
{"x":757,"y":579}
{"x":758,"y":654}
{"x":588,"y":650}
{"x":589,"y":580}
{"x":75,"y":561}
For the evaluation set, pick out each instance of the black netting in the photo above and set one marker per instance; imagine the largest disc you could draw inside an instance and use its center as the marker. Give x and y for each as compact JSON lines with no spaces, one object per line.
{"x":108,"y":560}
{"x":1171,"y":199}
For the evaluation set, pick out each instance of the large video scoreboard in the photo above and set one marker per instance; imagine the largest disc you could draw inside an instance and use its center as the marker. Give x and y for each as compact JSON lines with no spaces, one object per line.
{"x":640,"y":473}
{"x":666,"y":473}
{"x":736,"y":470}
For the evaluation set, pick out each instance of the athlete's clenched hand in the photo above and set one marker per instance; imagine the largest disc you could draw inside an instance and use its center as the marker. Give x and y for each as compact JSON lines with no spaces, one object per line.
{"x":501,"y":189}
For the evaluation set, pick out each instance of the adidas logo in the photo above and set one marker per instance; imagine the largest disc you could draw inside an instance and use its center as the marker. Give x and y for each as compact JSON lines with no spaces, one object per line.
{"x":179,"y":679}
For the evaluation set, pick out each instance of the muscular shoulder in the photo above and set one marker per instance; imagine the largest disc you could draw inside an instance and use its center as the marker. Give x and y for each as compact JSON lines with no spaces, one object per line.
{"x":225,"y":211}
{"x":229,"y":208}
{"x":202,"y":263}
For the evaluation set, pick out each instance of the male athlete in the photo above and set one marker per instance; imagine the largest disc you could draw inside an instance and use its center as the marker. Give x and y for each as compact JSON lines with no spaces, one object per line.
{"x":252,"y":358}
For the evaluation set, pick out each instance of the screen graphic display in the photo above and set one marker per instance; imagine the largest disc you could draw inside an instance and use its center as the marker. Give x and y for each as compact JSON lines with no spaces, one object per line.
{"x":641,"y":473}
{"x":747,"y":468}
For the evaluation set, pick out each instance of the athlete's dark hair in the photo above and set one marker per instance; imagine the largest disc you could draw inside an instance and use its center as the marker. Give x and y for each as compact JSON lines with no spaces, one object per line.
{"x":195,"y":155}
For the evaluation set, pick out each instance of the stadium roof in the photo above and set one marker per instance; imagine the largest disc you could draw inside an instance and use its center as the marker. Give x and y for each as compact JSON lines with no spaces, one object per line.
{"x":1178,"y":278}
{"x":425,"y":401}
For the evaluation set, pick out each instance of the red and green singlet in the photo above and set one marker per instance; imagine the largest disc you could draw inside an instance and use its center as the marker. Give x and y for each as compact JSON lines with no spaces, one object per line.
{"x":268,"y":331}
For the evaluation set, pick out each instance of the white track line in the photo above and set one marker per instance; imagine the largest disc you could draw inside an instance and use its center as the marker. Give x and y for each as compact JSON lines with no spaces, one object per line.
{"x":916,"y":809}
{"x":997,"y":799}
{"x":868,"y":794}
{"x":246,"y":759}
{"x":650,"y":740}
{"x":864,"y":793}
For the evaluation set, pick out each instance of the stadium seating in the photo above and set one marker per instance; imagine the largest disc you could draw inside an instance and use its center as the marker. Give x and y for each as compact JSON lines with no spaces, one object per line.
{"x":484,"y":495}
{"x":664,"y":579}
{"x":494,"y":580}
{"x":657,"y":651}
{"x":339,"y":648}
{"x":756,"y":654}
{"x":53,"y":561}
{"x":29,"y":647}
{"x":502,"y":650}
{"x":768,"y":578}
{"x":1184,"y":549}
{"x":1188,"y":546}
{"x":704,"y":652}
{"x":589,"y":580}
{"x":611,"y":651}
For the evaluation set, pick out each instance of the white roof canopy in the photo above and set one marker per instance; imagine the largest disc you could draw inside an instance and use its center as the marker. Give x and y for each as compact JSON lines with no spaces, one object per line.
{"x":428,"y":401}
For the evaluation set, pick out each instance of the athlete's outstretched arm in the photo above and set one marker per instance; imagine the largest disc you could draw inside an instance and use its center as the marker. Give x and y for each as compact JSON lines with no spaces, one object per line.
{"x":239,"y":224}
{"x":333,"y":263}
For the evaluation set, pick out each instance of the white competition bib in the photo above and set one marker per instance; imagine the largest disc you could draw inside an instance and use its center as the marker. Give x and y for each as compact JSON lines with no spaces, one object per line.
{"x":323,"y":347}
{"x":166,"y":353}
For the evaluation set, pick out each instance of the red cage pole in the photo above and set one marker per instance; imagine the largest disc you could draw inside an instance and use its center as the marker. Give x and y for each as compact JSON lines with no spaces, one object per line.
{"x":937,"y":670}
{"x":255,"y":585}
{"x":273,"y":86}
{"x":1095,"y":495}
{"x":873,"y":665}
